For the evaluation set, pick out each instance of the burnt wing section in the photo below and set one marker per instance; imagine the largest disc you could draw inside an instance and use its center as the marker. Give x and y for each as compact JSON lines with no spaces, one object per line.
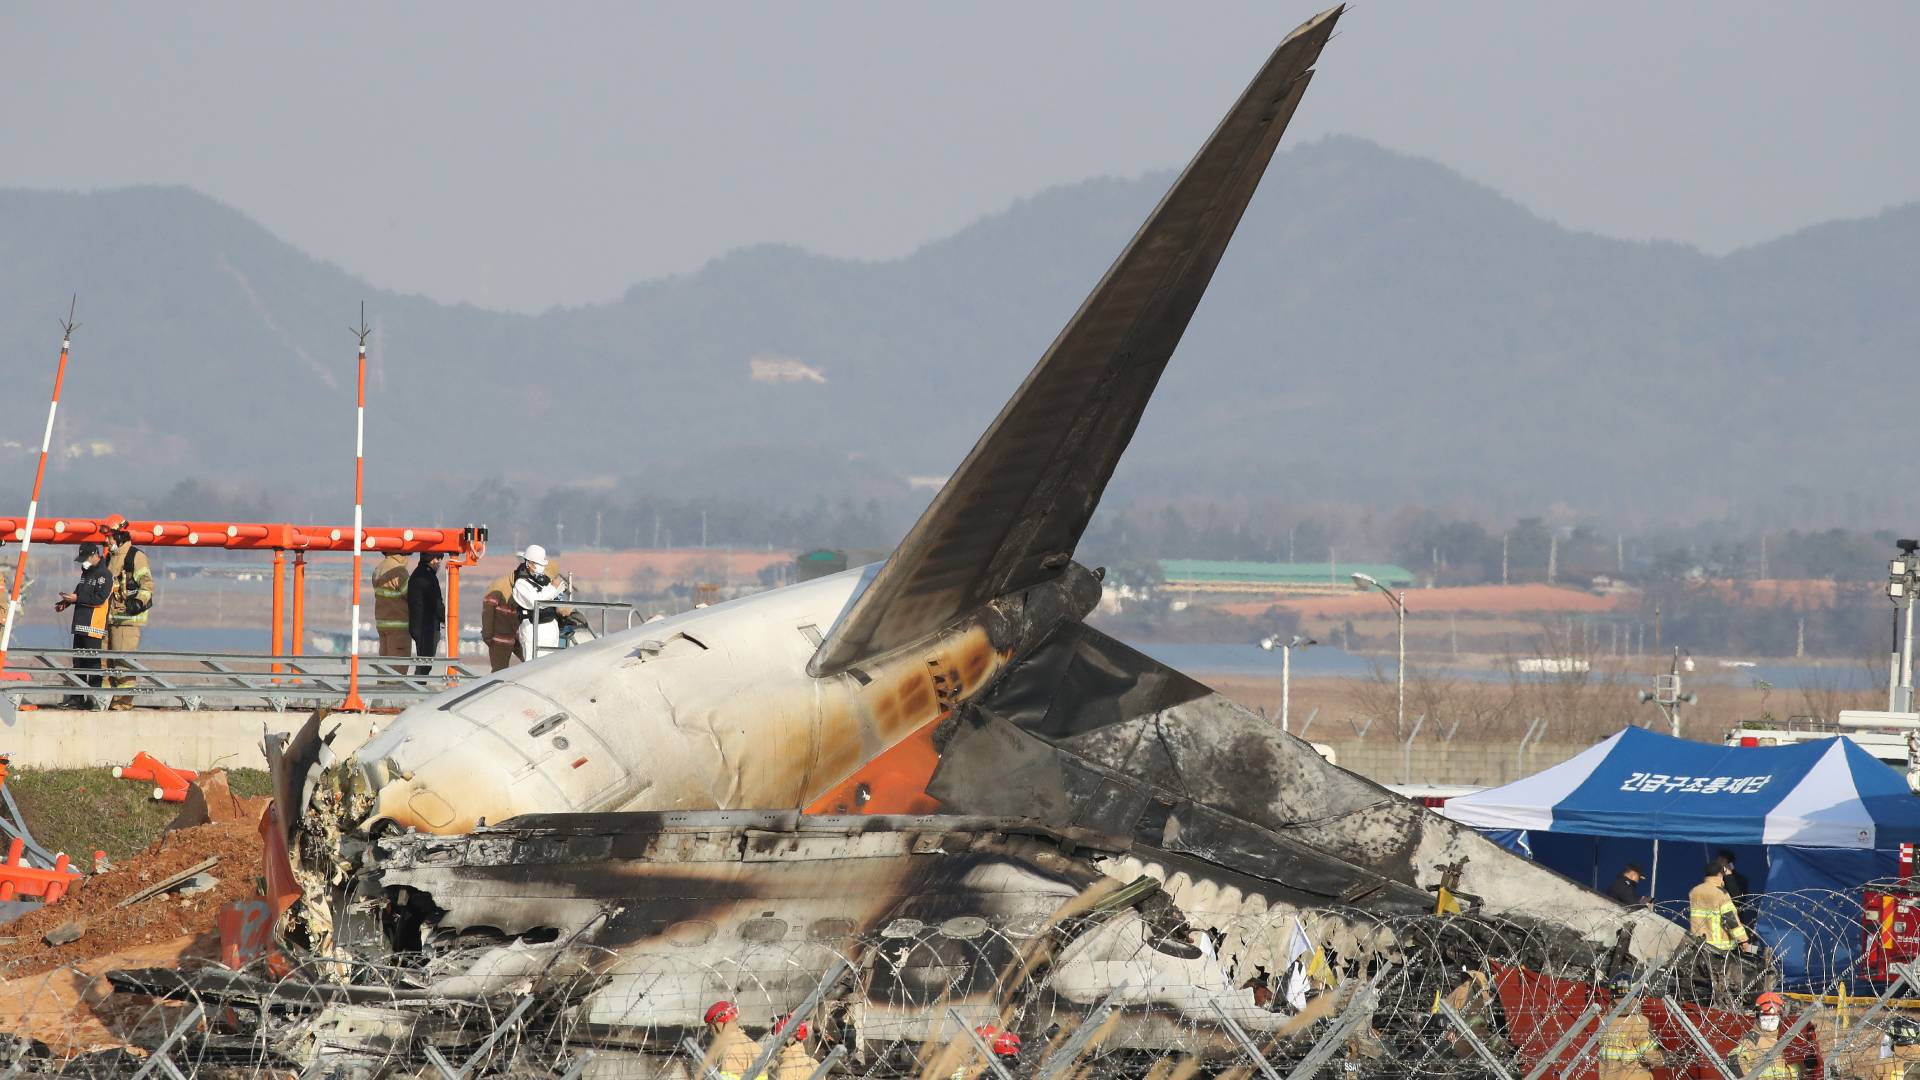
{"x":1013,"y":512}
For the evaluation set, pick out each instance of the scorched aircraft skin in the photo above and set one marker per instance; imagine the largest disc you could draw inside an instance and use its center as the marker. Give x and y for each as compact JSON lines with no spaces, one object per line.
{"x":629,"y":797}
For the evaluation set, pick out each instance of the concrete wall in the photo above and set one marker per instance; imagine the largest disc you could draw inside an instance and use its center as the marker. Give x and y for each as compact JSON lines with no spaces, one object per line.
{"x":1486,"y":764}
{"x":73,"y":739}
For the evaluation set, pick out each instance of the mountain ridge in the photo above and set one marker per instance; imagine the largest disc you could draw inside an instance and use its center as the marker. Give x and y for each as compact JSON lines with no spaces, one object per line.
{"x":1374,"y":318}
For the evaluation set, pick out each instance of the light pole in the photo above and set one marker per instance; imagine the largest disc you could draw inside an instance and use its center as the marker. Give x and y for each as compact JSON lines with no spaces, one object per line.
{"x":1903,"y":576}
{"x":1364,"y":582}
{"x":1286,"y":670}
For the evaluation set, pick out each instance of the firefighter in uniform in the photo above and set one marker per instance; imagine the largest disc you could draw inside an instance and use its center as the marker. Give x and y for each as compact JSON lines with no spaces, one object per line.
{"x":729,"y":1050}
{"x":1712,"y":918}
{"x":791,"y":1061}
{"x":1627,"y":1048}
{"x":130,"y":602}
{"x":1755,"y":1044}
{"x":390,"y":605}
{"x":499,"y":621}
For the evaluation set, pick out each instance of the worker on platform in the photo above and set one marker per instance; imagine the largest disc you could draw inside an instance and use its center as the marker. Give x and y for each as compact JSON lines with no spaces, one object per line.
{"x":89,"y":603}
{"x":130,"y":603}
{"x":539,"y":625}
{"x":426,"y":609}
{"x":791,"y":1061}
{"x":499,"y":621}
{"x":1627,"y":1048}
{"x":1626,"y":887}
{"x":1755,"y":1044}
{"x":729,"y":1050}
{"x":390,"y":605}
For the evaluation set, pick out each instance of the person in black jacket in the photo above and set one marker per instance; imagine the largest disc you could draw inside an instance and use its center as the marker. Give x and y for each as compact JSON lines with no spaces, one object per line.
{"x":1626,"y":887}
{"x":89,"y":603}
{"x":1736,"y":885}
{"x":426,"y":608}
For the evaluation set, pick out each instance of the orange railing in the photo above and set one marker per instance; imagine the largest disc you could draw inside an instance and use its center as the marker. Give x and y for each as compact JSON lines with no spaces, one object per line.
{"x":464,"y":547}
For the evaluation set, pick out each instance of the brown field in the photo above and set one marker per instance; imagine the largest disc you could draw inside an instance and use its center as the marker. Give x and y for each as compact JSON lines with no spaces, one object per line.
{"x":1575,"y":707}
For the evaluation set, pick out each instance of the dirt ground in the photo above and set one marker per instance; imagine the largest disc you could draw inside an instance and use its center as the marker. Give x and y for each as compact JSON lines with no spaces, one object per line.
{"x":232,"y":836}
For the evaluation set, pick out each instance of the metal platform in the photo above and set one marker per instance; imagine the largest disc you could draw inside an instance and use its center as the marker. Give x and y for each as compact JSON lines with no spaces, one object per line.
{"x":193,"y":681}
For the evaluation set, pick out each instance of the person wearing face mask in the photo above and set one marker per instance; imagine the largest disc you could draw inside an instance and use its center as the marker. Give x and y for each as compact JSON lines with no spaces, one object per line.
{"x":1755,"y":1044}
{"x":89,"y":603}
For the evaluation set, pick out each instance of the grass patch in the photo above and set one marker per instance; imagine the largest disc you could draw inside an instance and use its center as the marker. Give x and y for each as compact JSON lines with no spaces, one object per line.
{"x":80,"y":811}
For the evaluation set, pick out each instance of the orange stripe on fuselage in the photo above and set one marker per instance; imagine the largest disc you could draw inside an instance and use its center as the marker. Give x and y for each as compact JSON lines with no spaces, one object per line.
{"x":896,"y":780}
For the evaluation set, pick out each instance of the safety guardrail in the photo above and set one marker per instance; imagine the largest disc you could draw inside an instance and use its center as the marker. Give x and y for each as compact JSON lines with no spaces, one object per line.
{"x":194,"y":680}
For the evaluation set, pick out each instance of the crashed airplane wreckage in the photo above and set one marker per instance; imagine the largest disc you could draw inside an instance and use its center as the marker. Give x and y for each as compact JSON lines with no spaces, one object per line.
{"x":912,"y":781}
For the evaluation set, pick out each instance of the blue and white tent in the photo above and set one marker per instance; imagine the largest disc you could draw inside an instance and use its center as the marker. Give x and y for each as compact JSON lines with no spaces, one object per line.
{"x":1811,"y":816}
{"x":1824,"y":794}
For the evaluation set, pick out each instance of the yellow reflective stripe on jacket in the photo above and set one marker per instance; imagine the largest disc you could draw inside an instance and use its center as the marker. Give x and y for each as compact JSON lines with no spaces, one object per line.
{"x":1717,"y":935}
{"x":143,"y":587}
{"x":1614,"y":1051}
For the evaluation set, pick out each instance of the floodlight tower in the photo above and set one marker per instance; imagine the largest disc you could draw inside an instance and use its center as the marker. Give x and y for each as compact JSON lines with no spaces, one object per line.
{"x":1286,"y":669}
{"x":1668,"y":694}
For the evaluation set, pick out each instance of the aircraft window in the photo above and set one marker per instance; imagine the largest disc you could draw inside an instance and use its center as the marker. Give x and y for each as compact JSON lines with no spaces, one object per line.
{"x":903,"y":928}
{"x":690,"y":934}
{"x":964,"y":927}
{"x":763,"y":930}
{"x":830,"y":929}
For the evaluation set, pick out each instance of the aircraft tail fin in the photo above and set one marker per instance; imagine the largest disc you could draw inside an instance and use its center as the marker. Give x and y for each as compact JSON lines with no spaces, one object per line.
{"x":1012,"y":514}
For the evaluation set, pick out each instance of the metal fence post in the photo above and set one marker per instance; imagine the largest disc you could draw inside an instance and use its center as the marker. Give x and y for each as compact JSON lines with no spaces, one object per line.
{"x":1070,"y":1050}
{"x":1406,"y":750}
{"x":1357,"y":1010}
{"x":1479,"y":1048}
{"x":702,"y":1067}
{"x":979,"y":1046}
{"x":1304,"y":727}
{"x":156,"y":1059}
{"x":1686,"y":1023}
{"x":1246,"y":1041}
{"x":1903,"y":973}
{"x":806,"y":1006}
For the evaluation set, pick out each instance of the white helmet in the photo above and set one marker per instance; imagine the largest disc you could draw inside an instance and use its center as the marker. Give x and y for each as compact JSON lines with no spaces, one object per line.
{"x":536,"y":555}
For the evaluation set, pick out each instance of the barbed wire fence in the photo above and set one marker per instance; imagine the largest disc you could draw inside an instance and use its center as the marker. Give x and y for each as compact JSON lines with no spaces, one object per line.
{"x":1332,"y":992}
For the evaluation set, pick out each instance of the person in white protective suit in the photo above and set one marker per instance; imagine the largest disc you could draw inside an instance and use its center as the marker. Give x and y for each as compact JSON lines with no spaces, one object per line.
{"x":539,"y":630}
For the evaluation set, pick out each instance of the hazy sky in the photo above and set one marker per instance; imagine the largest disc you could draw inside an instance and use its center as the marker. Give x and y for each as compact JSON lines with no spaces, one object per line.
{"x":519,"y":156}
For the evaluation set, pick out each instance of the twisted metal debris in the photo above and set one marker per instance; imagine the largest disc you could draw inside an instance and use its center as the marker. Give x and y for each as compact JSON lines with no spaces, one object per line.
{"x":1360,"y":995}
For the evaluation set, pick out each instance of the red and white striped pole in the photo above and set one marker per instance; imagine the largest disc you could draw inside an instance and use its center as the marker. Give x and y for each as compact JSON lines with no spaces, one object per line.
{"x":353,"y":702}
{"x":33,"y":505}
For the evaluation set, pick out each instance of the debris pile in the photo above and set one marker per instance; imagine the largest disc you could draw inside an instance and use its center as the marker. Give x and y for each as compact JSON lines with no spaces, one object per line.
{"x":230,"y":836}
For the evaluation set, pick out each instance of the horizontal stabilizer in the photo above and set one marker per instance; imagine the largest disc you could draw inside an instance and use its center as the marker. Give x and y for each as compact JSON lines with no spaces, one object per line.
{"x":1014,"y":511}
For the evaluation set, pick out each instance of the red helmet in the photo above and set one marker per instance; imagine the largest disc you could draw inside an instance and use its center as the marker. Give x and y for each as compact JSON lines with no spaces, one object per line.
{"x":114,"y":523}
{"x":722,"y":1012}
{"x":1770,"y":1003}
{"x":1006,"y":1044}
{"x":782,"y":1024}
